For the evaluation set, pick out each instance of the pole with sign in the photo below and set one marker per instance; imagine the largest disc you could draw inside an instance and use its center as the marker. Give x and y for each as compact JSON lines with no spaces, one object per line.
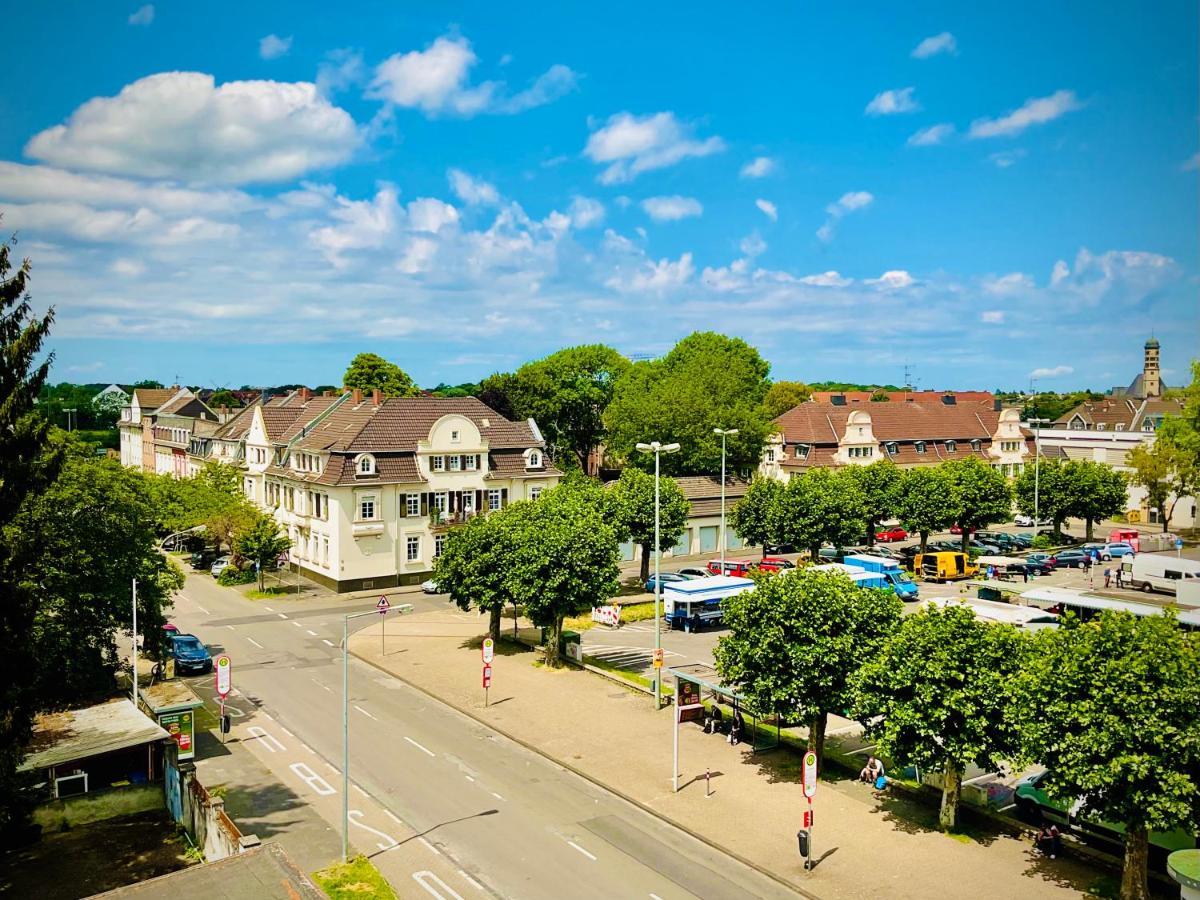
{"x":224,"y":679}
{"x":1178,"y":548}
{"x":488,"y":652}
{"x":810,"y":791}
{"x":383,"y":606}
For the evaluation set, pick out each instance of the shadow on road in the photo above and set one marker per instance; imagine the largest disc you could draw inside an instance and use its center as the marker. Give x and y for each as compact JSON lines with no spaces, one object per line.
{"x":433,"y":828}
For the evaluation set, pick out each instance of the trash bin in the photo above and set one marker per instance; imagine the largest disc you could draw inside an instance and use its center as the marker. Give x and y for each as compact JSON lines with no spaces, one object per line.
{"x":570,"y":646}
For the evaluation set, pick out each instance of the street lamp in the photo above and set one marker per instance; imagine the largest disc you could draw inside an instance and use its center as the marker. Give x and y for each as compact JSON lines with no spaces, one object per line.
{"x":401,"y":608}
{"x":723,"y":432}
{"x":1037,"y":460}
{"x":657,"y":449}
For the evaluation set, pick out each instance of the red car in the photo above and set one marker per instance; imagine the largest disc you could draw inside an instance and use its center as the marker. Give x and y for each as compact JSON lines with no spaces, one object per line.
{"x":957,"y":529}
{"x":891,"y":534}
{"x":774,"y":564}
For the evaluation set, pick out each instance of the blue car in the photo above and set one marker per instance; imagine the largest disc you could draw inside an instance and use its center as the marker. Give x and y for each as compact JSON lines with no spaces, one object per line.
{"x":1116,"y":550}
{"x":190,"y":654}
{"x":666,"y":578}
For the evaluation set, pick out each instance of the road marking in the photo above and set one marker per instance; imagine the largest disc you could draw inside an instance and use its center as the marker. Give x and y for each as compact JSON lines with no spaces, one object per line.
{"x":233,"y":711}
{"x":320,"y":684}
{"x":285,"y":731}
{"x":308,"y":748}
{"x":202,"y":609}
{"x":367,"y":714}
{"x":312,"y":779}
{"x":297,"y":624}
{"x":581,"y":850}
{"x":428,"y":879}
{"x":271,"y":743}
{"x":655,"y":897}
{"x":355,"y":814}
{"x":332,"y":768}
{"x":268,"y":609}
{"x":497,"y":796}
{"x":361,"y":791}
{"x":429,"y":846}
{"x":327,"y":642}
{"x":255,"y":643}
{"x":419,"y":747}
{"x":471,"y":881}
{"x":391,"y":815}
{"x":281,"y":615}
{"x":310,"y":631}
{"x":469,"y":778}
{"x":231,"y":628}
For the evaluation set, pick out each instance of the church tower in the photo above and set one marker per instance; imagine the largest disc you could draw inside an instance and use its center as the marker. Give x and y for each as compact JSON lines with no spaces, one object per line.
{"x":1151,"y":380}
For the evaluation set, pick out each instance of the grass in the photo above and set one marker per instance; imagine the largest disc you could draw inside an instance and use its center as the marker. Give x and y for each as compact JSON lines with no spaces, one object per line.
{"x":354,"y":880}
{"x":270,"y":592}
{"x":631,"y":677}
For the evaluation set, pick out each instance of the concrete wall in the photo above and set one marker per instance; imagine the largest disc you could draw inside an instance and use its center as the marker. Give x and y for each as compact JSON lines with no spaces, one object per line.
{"x":200,"y":813}
{"x":97,"y":806}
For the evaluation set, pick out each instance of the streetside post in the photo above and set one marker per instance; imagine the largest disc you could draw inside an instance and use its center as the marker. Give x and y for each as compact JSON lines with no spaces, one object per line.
{"x":723,"y":432}
{"x":135,"y":653}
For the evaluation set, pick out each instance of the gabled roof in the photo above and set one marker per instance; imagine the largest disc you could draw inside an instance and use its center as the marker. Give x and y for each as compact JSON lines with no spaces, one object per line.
{"x":150,"y":399}
{"x":404,"y":421}
{"x":825,"y":423}
{"x":903,"y":396}
{"x":236,"y":427}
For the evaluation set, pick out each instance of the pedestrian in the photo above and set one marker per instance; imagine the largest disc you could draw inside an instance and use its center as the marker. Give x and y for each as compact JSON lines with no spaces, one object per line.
{"x":735,"y":729}
{"x":695,"y":622}
{"x":1049,"y":840}
{"x":1025,"y":574}
{"x":1120,"y":575}
{"x":1107,"y":576}
{"x":871,"y":771}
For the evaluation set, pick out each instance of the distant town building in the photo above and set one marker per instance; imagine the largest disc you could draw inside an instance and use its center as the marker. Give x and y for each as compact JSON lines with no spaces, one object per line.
{"x":849,"y":397}
{"x":1149,"y":383}
{"x":156,"y":429}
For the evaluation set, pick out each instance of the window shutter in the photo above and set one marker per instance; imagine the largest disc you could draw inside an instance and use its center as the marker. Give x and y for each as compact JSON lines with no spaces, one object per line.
{"x":424,"y":503}
{"x":503,"y":497}
{"x":479,"y":501}
{"x":478,"y":462}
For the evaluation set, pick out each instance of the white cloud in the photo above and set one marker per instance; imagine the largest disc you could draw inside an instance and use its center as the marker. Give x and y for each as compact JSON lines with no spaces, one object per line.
{"x":340,"y":70}
{"x":1059,"y":273}
{"x":1053,"y":372}
{"x":180,"y":125}
{"x":585,"y":212}
{"x":1035,"y":111}
{"x":827,"y":279}
{"x":888,"y":103}
{"x":130,"y":268}
{"x":847,"y":203}
{"x":436,"y":80}
{"x":934,"y":134}
{"x":768,"y":209}
{"x":892,"y":280}
{"x":672,"y":209}
{"x":1012,"y":284}
{"x":932,"y":46}
{"x":273,"y":46}
{"x":753,"y":245}
{"x":759,"y":167}
{"x":656,"y":276}
{"x":143,"y":15}
{"x":431,"y":215}
{"x":635,"y":144}
{"x":470,"y":190}
{"x":1003,"y":159}
{"x":992,"y":317}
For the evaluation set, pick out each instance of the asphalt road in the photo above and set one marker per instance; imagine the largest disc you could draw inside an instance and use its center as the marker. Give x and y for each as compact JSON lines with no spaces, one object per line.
{"x":440,"y":800}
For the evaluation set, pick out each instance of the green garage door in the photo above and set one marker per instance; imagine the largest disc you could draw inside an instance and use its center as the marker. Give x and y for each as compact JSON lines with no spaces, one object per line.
{"x":683,"y":546}
{"x":710,"y":537}
{"x":732,"y":541}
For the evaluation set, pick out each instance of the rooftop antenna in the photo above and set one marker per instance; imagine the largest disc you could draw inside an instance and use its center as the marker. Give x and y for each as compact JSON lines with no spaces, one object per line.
{"x":908,"y":386}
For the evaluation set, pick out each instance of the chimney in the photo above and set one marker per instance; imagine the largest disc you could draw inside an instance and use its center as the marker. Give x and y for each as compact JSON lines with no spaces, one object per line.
{"x":948,"y":399}
{"x":376,"y":397}
{"x":357,"y":396}
{"x":305,"y":395}
{"x":326,"y":393}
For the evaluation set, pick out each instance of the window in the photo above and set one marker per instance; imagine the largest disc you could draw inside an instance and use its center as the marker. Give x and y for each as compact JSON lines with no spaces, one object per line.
{"x":892,"y":447}
{"x":493,"y":500}
{"x":455,"y":463}
{"x":412,"y":505}
{"x":454,"y":438}
{"x":412,"y":549}
{"x":439,"y":545}
{"x":437,"y":463}
{"x":366,"y":507}
{"x":325,"y":551}
{"x":1120,"y":426}
{"x":802,"y":451}
{"x":535,"y":460}
{"x":975,"y":444}
{"x":471,"y":462}
{"x":951,"y":446}
{"x":467,"y":504}
{"x":920,"y":446}
{"x":439,"y":502}
{"x":365,"y":465}
{"x":1100,"y":426}
{"x":534,"y":493}
{"x":770,"y":454}
{"x":248,"y":488}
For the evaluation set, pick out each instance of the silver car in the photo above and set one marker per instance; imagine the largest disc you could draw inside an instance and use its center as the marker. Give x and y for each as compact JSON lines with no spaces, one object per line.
{"x":220,"y":566}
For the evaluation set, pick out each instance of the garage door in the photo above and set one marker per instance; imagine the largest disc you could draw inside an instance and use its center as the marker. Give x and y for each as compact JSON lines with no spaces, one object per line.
{"x":710,"y":537}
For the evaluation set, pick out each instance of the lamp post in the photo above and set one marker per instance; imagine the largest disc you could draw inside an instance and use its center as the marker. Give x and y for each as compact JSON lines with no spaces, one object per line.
{"x":657,"y":448}
{"x":1037,"y":467}
{"x":723,"y":432}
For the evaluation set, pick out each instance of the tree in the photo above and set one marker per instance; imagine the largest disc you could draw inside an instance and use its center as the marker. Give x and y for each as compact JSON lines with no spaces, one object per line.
{"x":260,"y":540}
{"x":107,"y":408}
{"x":149,"y":383}
{"x":630,"y":510}
{"x":1167,"y":473}
{"x":753,"y":518}
{"x":784,"y":395}
{"x":227,"y":521}
{"x":27,"y":464}
{"x":1100,"y":492}
{"x":497,"y":391}
{"x":224,"y":398}
{"x":1055,"y":493}
{"x":926,"y":502}
{"x":213,"y":494}
{"x":566,"y":394}
{"x":937,"y":696}
{"x":880,"y":486}
{"x":473,"y":567}
{"x":982,"y":494}
{"x":563,"y":560}
{"x":822,"y":505}
{"x":369,"y":372}
{"x":881,"y":396}
{"x":1109,"y":707}
{"x":796,"y":641}
{"x":707,"y":381}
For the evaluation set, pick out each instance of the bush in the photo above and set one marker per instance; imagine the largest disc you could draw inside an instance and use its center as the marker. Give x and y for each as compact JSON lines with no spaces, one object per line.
{"x":231,"y":575}
{"x":1041,"y":542}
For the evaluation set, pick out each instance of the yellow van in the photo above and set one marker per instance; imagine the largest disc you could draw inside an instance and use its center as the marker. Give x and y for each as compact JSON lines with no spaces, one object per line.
{"x":944,"y":566}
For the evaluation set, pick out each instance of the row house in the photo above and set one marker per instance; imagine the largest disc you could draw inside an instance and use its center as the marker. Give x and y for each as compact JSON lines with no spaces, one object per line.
{"x":156,"y":429}
{"x":908,"y":433}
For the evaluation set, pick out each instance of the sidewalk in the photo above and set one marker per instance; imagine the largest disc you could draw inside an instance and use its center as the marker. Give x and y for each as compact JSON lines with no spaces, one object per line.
{"x":866,"y":846}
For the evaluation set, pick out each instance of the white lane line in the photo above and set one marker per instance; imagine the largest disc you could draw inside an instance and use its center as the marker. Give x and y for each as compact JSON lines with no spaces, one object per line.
{"x":364,"y":712}
{"x":268,"y":609}
{"x":419,"y":747}
{"x":427,"y":880}
{"x":285,"y":731}
{"x":361,"y":791}
{"x":497,"y":796}
{"x":297,"y":624}
{"x":281,"y":615}
{"x":429,"y":846}
{"x":332,"y":768}
{"x":202,"y":609}
{"x":320,"y":684}
{"x":581,"y":850}
{"x":312,"y":779}
{"x":308,"y":748}
{"x":310,"y":631}
{"x":469,"y":778}
{"x":655,"y":897}
{"x":471,"y":881}
{"x":391,"y":815}
{"x":271,"y":744}
{"x":231,"y":628}
{"x":255,"y":643}
{"x":327,"y":642}
{"x":388,"y":841}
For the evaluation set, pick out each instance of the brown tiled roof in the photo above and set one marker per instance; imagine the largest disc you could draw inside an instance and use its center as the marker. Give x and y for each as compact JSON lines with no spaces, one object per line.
{"x":704,"y":487}
{"x":399,"y":469}
{"x":403,"y":421}
{"x":1156,"y":408}
{"x":902,"y":396}
{"x":150,"y":399}
{"x":336,"y":431}
{"x":236,"y":427}
{"x":511,"y":464}
{"x":822,"y":423}
{"x":1110,"y":413}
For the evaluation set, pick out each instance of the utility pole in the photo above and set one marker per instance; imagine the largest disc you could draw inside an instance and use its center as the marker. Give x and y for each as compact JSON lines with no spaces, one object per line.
{"x":723,"y":432}
{"x":657,"y":449}
{"x":1037,"y":466}
{"x":135,"y":649}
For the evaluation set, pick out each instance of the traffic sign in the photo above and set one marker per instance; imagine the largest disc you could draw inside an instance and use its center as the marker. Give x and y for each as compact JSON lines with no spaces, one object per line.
{"x":489,"y":650}
{"x":808,"y":818}
{"x":487,"y":676}
{"x":383,"y":606}
{"x":658,"y":657}
{"x":1178,"y":543}
{"x":810,"y":774}
{"x":224,"y":669}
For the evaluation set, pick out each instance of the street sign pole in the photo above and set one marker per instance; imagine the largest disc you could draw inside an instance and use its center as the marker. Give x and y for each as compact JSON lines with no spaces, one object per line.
{"x":223,"y":675}
{"x":487,"y":651}
{"x":383,"y":606}
{"x":810,"y":789}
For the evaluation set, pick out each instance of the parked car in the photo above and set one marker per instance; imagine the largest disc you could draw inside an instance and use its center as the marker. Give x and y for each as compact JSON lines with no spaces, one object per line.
{"x":891,"y":534}
{"x":738,"y":568}
{"x":1116,"y":550}
{"x":694,"y":572}
{"x":204,"y":558}
{"x":1039,"y":564}
{"x":1070,"y":559}
{"x":190,"y":654}
{"x":665,"y":578}
{"x":430,"y":587}
{"x":220,"y":566}
{"x":774,"y":564}
{"x":1027,"y":521}
{"x":986,"y":547}
{"x":887,"y":552}
{"x":956,"y":529}
{"x":1023,"y":541}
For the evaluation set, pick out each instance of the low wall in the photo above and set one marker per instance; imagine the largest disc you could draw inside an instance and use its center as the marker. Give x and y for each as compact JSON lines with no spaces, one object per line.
{"x":200,"y":813}
{"x":97,"y":806}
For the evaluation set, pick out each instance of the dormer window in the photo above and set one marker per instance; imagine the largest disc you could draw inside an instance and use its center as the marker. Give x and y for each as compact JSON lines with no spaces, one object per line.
{"x":951,"y":446}
{"x":1120,"y":426}
{"x":802,"y":451}
{"x":892,"y":448}
{"x":1100,"y":426}
{"x":533,"y":459}
{"x":1148,"y":426}
{"x":365,"y":464}
{"x":920,"y":446}
{"x":976,"y":444}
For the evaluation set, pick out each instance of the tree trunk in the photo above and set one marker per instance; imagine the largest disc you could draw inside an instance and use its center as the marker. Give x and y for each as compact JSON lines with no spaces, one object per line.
{"x":814,"y":553}
{"x":966,"y":539}
{"x":951,"y":788}
{"x":924,"y":541}
{"x":1087,"y":535}
{"x":870,"y":534}
{"x":1164,"y":516}
{"x":816,"y":737}
{"x":1133,"y":875}
{"x":645,"y":563}
{"x":553,"y":660}
{"x":494,"y":623}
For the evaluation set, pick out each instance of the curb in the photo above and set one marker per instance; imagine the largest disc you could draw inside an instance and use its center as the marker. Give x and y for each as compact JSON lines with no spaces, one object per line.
{"x":607,"y":787}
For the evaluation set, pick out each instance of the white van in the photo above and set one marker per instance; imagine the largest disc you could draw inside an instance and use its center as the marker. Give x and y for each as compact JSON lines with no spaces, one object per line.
{"x":1158,"y":572}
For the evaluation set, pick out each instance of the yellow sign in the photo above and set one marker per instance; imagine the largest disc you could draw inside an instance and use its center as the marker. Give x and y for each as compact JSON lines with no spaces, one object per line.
{"x":658,"y":657}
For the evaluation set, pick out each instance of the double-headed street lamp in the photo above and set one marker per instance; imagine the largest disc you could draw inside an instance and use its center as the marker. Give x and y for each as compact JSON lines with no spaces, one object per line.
{"x":1037,"y":460}
{"x":724,"y":433}
{"x":657,"y":449}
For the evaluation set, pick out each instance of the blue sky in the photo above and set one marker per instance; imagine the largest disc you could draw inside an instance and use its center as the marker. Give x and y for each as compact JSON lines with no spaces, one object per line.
{"x":251,"y":193}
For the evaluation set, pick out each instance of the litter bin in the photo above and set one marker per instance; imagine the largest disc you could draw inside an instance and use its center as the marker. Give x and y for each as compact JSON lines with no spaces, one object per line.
{"x":570,"y":647}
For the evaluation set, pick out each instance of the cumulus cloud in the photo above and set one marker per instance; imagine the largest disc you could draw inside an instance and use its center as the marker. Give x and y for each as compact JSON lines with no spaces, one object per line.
{"x":657,"y":276}
{"x":753,"y":245}
{"x":992,"y":317}
{"x":1014,"y":283}
{"x":892,"y":280}
{"x":143,"y":15}
{"x":889,"y":103}
{"x":341,"y":70}
{"x":273,"y":46}
{"x":759,"y":167}
{"x":1035,"y":111}
{"x":672,"y":209}
{"x":844,"y":205}
{"x":827,"y":279}
{"x":1053,"y":372}
{"x":436,"y":80}
{"x":1003,"y":159}
{"x":585,"y":212}
{"x":632,"y":144}
{"x":935,"y":44}
{"x":181,"y":125}
{"x":470,"y":190}
{"x":934,"y":134}
{"x":768,"y":209}
{"x":1060,"y":273}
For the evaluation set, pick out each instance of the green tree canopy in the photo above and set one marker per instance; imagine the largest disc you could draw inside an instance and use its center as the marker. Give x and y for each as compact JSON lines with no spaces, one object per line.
{"x":370,"y":372}
{"x":707,"y":381}
{"x":629,"y":509}
{"x":224,"y":398}
{"x":926,"y":501}
{"x":499,"y":392}
{"x":796,"y":641}
{"x":261,"y":540}
{"x":1100,"y":492}
{"x":474,"y":566}
{"x":784,"y":395}
{"x":1056,"y":494}
{"x":1167,"y":472}
{"x":938,"y":696}
{"x":880,"y":486}
{"x":822,"y":505}
{"x":754,"y":517}
{"x":1109,"y":707}
{"x":982,"y":495}
{"x":213,"y":493}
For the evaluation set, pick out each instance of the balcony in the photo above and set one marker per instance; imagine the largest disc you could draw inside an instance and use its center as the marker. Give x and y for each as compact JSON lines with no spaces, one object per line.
{"x":449,"y":520}
{"x":365,"y":529}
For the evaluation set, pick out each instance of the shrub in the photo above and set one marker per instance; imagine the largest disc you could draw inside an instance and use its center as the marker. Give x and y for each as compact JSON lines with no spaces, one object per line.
{"x":1041,"y":542}
{"x":231,"y":575}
